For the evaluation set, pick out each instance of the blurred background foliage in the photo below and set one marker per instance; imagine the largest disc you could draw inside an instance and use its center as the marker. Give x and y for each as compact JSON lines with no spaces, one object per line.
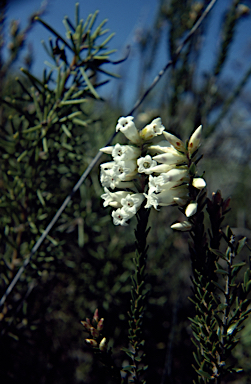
{"x":50,"y":129}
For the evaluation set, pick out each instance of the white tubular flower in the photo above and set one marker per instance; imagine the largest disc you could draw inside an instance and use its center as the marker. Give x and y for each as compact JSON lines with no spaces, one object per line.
{"x":171,"y":157}
{"x":184,"y":226}
{"x":161,"y":147}
{"x":120,"y":217}
{"x":153,"y":184}
{"x":108,"y":165}
{"x":158,"y":183}
{"x":113,"y":198}
{"x":175,"y":174}
{"x":165,"y":197}
{"x":107,"y":150}
{"x":152,"y":199}
{"x":162,"y":186}
{"x":145,"y":163}
{"x":151,"y":130}
{"x":175,"y":142}
{"x":194,"y":141}
{"x":132,"y":202}
{"x":199,"y":183}
{"x":108,"y":178}
{"x":125,"y":170}
{"x":191,"y":209}
{"x":160,"y":168}
{"x":125,"y":152}
{"x":128,"y":128}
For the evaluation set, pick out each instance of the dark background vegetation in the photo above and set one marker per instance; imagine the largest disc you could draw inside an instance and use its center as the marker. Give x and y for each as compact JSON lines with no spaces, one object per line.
{"x":86,"y":262}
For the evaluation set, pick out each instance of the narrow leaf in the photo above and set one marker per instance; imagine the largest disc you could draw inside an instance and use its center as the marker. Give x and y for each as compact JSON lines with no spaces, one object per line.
{"x":89,"y":84}
{"x":240,"y":245}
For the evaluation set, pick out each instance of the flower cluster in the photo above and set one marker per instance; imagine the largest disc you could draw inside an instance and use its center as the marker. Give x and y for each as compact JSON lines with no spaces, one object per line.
{"x":94,"y":329}
{"x":161,"y":173}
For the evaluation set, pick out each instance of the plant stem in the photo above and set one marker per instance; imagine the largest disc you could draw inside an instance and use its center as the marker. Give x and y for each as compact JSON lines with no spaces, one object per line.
{"x":138,"y":298}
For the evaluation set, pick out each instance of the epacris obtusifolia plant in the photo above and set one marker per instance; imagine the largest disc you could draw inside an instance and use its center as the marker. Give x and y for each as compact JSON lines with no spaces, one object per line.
{"x":157,"y":169}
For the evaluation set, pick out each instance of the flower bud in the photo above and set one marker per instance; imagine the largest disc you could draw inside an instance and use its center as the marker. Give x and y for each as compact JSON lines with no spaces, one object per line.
{"x":100,"y":324}
{"x":94,"y":332}
{"x":184,"y":226}
{"x":92,"y":342}
{"x":175,"y":142}
{"x":242,"y":10}
{"x":194,"y":141}
{"x":95,"y":316}
{"x":199,"y":183}
{"x":102,"y":344}
{"x":191,"y":209}
{"x":86,"y":325}
{"x":107,"y":150}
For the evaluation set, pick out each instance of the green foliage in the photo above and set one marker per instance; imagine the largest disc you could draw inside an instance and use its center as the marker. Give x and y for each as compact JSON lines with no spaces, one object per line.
{"x":221,"y":300}
{"x":138,"y":300}
{"x":47,"y":141}
{"x":51,"y":128}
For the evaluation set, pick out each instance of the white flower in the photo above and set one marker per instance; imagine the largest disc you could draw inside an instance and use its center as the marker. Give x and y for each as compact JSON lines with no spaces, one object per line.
{"x":125,"y":152}
{"x":199,"y":183}
{"x":183,"y":226}
{"x":108,"y":165}
{"x":161,"y":147}
{"x":159,"y":168}
{"x":113,"y":172}
{"x":153,"y":184}
{"x":120,"y":217}
{"x":165,"y":197}
{"x":175,"y":174}
{"x":145,"y":163}
{"x":125,"y":170}
{"x":128,"y":128}
{"x":194,"y":141}
{"x":171,"y":157}
{"x":175,"y":142}
{"x":169,"y":186}
{"x":158,"y":183}
{"x":191,"y":209}
{"x":108,"y":178}
{"x":113,"y":198}
{"x":152,"y":200}
{"x":132,"y":202}
{"x":151,"y":130}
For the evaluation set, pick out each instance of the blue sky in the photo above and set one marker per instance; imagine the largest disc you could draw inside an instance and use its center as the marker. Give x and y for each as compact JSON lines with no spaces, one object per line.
{"x":124,"y":18}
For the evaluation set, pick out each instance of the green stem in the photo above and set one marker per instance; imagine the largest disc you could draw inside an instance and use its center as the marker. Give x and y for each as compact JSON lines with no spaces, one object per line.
{"x":138,"y":294}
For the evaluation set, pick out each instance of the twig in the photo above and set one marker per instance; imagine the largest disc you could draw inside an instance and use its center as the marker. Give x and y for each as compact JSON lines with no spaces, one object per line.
{"x":176,"y":55}
{"x":99,"y":154}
